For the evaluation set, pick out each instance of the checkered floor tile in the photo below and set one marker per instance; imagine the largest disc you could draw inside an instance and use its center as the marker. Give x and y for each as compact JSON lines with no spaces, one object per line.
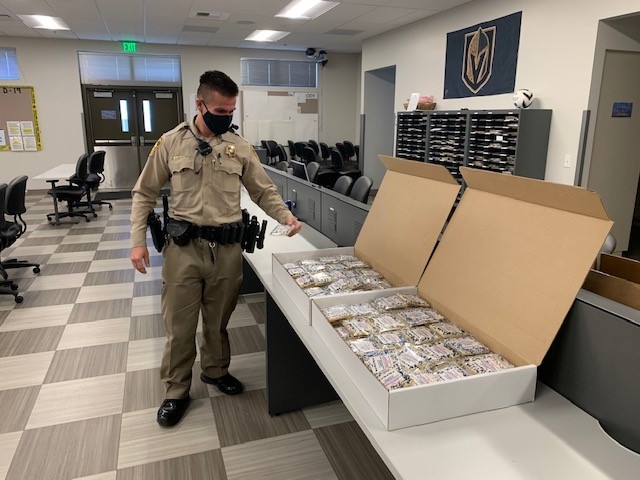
{"x":80,"y":377}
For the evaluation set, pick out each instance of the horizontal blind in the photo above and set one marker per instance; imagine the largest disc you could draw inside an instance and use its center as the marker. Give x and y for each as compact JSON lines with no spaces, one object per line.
{"x":279,"y":73}
{"x":122,"y":69}
{"x":9,"y":69}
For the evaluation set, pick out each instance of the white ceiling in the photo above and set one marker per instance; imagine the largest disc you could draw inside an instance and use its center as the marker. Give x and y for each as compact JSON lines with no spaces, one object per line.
{"x":341,"y":29}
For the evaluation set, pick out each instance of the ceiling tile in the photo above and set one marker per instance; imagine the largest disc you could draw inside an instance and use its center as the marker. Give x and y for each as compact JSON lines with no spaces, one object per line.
{"x":413,"y":17}
{"x":384,"y":15}
{"x":222,"y":42}
{"x":256,"y":7}
{"x":366,"y":2}
{"x":336,"y":17}
{"x":28,"y":7}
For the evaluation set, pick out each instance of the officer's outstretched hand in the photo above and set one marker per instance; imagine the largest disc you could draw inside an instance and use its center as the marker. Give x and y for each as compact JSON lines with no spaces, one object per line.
{"x":140,"y":258}
{"x":297,"y":225}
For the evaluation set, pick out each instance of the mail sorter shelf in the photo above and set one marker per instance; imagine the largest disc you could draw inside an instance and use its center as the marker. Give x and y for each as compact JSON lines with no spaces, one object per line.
{"x":447,"y":134}
{"x":411,"y":135}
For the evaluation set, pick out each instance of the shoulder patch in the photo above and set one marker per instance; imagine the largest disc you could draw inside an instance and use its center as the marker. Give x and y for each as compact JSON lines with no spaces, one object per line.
{"x":156,"y":146}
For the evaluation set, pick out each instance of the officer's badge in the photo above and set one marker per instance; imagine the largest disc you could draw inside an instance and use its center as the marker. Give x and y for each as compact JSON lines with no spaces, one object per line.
{"x":230,"y":150}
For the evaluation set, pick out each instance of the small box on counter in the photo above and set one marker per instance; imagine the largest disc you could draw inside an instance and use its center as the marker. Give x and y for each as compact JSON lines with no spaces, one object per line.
{"x":617,"y":279}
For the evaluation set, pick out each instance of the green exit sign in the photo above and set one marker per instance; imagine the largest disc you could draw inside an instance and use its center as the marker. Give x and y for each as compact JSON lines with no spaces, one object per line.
{"x":129,"y":47}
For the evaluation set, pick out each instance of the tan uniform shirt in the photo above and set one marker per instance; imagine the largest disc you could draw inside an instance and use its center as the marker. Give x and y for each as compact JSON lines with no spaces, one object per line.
{"x":204,"y":190}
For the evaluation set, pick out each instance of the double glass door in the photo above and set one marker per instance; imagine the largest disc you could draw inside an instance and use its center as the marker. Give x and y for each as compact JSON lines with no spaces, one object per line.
{"x":126,"y":123}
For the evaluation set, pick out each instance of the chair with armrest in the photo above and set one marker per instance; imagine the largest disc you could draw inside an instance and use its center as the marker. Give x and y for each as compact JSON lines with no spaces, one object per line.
{"x":340,"y":167}
{"x":299,"y":147}
{"x":273,"y":148}
{"x":308,"y":155}
{"x":5,"y":242}
{"x":11,"y":231}
{"x":341,"y":149}
{"x":96,"y":176}
{"x":312,"y":170}
{"x":73,"y":193}
{"x":343,"y":185}
{"x":283,"y":165}
{"x":361,"y":189}
{"x":282,"y":154}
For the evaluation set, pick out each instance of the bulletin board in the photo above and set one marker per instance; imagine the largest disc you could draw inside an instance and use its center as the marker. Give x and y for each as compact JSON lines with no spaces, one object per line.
{"x":19,"y":129}
{"x":280,"y":116}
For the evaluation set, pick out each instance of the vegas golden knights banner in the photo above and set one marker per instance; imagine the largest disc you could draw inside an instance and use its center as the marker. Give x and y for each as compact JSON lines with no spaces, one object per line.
{"x":482,"y":60}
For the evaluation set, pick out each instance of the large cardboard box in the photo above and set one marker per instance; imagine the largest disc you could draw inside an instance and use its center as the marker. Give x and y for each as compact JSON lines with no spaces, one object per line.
{"x":617,"y":279}
{"x":400,"y":232}
{"x":507,"y":269}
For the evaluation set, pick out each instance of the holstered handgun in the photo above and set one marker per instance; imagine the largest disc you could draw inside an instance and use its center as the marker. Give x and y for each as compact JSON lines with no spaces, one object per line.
{"x":156,"y":227}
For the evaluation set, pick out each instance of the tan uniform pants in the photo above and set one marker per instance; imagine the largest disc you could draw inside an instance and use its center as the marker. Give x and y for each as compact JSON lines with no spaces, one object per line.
{"x":192,"y":281}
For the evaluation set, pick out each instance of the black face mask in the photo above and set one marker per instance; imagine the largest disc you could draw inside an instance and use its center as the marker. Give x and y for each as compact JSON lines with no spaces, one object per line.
{"x":218,"y":124}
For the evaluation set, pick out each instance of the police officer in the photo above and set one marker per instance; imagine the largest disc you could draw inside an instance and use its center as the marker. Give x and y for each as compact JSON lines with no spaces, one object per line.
{"x":206,"y":164}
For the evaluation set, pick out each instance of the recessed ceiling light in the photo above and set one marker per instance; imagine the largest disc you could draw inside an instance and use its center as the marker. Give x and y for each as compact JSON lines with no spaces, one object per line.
{"x":266,"y":36}
{"x":44,"y":21}
{"x":306,"y":9}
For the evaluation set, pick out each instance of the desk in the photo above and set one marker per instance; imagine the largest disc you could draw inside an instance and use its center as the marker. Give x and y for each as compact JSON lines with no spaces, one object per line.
{"x":550,"y":438}
{"x":61,"y":172}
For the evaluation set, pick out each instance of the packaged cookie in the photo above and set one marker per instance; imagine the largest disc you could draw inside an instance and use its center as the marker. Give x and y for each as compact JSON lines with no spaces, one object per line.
{"x":414,"y":300}
{"x":314,"y":291}
{"x":340,"y":285}
{"x":416,"y":316}
{"x":355,"y":264}
{"x":466,"y":345}
{"x":379,"y":363}
{"x":359,"y":327}
{"x":335,"y":267}
{"x":315,"y":268}
{"x":491,"y":362}
{"x":309,"y":262}
{"x":305,"y":281}
{"x":363,"y":347}
{"x":389,"y":339}
{"x":419,"y":335}
{"x":446,"y":329}
{"x":392,"y":302}
{"x":392,"y":379}
{"x":296,"y":272}
{"x":346,"y":258}
{"x":449,"y":371}
{"x":437,"y":316}
{"x":386,"y":322}
{"x":409,"y":358}
{"x":363,"y":309}
{"x":343,"y":332}
{"x":336,"y":313}
{"x":423,"y":378}
{"x":436,"y":351}
{"x":368,"y":272}
{"x":290,"y":265}
{"x":321,"y":278}
{"x":328,"y":259}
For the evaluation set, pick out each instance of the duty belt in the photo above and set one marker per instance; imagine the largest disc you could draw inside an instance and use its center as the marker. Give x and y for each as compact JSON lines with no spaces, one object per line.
{"x":227,"y":234}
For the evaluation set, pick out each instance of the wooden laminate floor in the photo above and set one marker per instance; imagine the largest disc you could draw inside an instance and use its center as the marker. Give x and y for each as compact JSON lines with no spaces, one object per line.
{"x":80,"y":377}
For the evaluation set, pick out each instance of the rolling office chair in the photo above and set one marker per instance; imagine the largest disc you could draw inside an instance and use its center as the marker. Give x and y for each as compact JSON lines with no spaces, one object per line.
{"x":292,"y":149}
{"x":72,"y":194}
{"x":361,"y":189}
{"x":316,"y":148}
{"x":273,"y":148}
{"x":96,"y":176}
{"x":11,"y":231}
{"x":341,"y":149}
{"x":282,"y":154}
{"x":343,"y":185}
{"x":349,"y":150}
{"x":341,"y":168}
{"x":308,"y":155}
{"x":4,"y":243}
{"x":325,"y":153}
{"x":299,"y":148}
{"x":312,"y":170}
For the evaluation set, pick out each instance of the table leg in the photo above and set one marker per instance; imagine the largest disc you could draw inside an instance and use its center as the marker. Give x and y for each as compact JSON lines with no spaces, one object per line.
{"x":294,"y":380}
{"x":55,"y":202}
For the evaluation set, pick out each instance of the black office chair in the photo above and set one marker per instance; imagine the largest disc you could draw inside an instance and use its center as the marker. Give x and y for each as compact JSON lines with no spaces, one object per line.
{"x":325,"y":154}
{"x":312,"y":170}
{"x":273,"y":148}
{"x":292,"y":149}
{"x":349,"y":150}
{"x":342,"y":169}
{"x":72,"y":194}
{"x":341,"y":149}
{"x":270,"y":154}
{"x":11,"y":231}
{"x":299,"y":148}
{"x":313,"y":144}
{"x":5,"y":242}
{"x":357,"y":150}
{"x":282,"y":154}
{"x":308,"y":155}
{"x":284,"y":165}
{"x":343,"y":185}
{"x":96,"y":176}
{"x":361,"y":189}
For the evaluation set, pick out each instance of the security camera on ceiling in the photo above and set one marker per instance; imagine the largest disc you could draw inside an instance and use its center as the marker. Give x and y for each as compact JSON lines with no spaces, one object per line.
{"x":320,"y":56}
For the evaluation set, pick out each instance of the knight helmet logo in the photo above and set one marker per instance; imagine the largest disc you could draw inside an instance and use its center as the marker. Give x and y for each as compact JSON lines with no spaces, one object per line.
{"x":477,"y":63}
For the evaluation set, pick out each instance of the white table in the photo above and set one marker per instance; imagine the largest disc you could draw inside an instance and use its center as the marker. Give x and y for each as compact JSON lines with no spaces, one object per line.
{"x":550,"y":438}
{"x":54,"y":175}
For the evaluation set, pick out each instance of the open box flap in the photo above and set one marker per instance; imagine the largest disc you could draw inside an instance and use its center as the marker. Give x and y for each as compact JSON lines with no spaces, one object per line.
{"x":410,"y":209}
{"x":512,"y":260}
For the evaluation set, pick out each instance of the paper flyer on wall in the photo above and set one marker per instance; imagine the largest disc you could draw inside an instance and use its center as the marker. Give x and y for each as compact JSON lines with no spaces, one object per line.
{"x":27,"y":127}
{"x":16,"y":144}
{"x":30,"y":144}
{"x":13,"y":127}
{"x":3,"y":139}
